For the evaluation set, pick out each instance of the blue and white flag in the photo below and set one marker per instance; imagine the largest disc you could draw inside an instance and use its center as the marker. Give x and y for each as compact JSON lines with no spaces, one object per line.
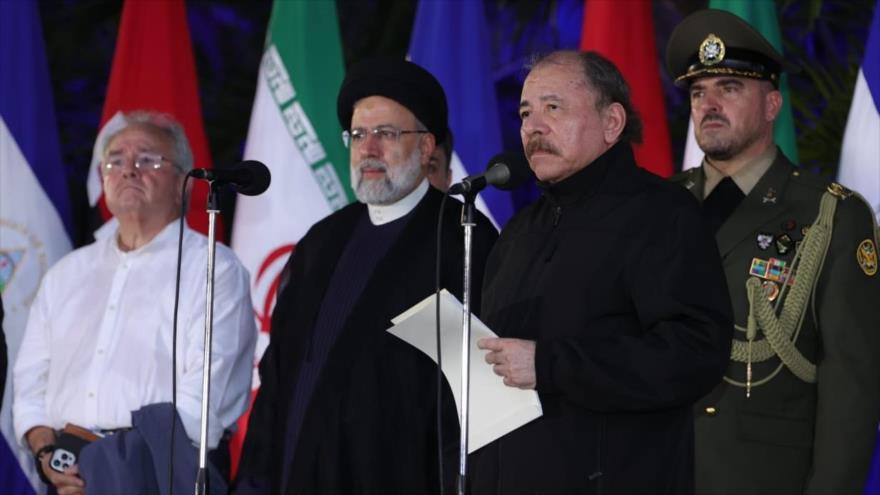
{"x":450,"y":39}
{"x":34,"y":206}
{"x":860,"y":159}
{"x":860,"y":155}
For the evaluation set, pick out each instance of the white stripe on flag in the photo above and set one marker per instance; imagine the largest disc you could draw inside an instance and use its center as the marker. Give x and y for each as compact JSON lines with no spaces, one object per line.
{"x":693,"y":155}
{"x":32,"y":239}
{"x":860,"y":154}
{"x":280,"y":216}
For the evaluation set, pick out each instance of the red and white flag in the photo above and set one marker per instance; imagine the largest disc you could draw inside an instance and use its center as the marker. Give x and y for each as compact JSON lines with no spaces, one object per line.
{"x":154,"y":69}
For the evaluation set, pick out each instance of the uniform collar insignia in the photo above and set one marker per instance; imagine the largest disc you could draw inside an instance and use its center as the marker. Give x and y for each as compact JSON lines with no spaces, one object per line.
{"x":764,"y":240}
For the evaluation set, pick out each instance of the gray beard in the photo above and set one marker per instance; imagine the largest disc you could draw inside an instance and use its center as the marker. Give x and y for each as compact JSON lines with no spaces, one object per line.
{"x":397,"y":183}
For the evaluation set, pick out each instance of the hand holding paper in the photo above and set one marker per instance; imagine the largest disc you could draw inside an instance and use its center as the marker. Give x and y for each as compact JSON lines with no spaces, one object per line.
{"x":495,"y":409}
{"x":513,"y":359}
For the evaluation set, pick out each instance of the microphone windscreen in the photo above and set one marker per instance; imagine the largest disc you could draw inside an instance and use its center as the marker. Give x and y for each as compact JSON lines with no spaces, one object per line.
{"x":517,"y":168}
{"x":259,"y":177}
{"x":498,"y":173}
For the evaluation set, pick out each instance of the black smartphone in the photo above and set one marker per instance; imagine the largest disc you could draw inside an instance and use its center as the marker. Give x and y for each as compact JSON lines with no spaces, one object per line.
{"x":66,"y":452}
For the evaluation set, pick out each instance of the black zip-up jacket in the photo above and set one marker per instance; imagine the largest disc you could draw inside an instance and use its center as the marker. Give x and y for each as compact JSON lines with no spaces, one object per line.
{"x":614,"y":275}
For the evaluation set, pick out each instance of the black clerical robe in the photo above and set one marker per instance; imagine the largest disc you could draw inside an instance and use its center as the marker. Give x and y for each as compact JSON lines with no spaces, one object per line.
{"x":370,"y":424}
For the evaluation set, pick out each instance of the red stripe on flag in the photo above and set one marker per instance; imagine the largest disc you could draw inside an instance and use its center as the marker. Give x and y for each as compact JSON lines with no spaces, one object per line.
{"x":237,"y":441}
{"x":632,"y":48}
{"x":269,"y":267}
{"x":154,"y":69}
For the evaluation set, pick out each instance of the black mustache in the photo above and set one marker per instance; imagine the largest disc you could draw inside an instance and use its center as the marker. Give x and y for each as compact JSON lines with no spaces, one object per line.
{"x":714,"y":116}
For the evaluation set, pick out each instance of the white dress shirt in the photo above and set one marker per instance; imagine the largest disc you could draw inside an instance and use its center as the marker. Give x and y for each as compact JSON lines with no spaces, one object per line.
{"x":98,"y":340}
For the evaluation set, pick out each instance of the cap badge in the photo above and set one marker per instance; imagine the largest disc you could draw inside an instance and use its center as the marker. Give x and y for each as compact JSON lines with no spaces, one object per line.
{"x":711,"y":50}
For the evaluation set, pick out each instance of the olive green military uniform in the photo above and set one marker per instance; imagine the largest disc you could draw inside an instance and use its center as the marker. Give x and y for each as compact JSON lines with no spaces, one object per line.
{"x":808,"y":425}
{"x":797,"y":411}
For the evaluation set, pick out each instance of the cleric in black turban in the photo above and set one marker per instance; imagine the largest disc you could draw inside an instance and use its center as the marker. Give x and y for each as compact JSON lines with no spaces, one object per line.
{"x":411,"y":86}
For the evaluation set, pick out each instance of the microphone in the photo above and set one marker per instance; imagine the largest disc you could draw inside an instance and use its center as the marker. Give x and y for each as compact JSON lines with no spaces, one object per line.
{"x":249,"y":177}
{"x":507,"y":170}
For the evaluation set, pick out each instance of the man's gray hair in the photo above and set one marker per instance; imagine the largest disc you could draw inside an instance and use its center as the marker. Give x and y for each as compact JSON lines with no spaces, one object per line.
{"x":163,"y":125}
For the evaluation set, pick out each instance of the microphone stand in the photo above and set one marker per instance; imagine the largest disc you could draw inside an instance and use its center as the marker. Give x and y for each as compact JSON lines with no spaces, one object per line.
{"x":212,"y":209}
{"x":467,"y":221}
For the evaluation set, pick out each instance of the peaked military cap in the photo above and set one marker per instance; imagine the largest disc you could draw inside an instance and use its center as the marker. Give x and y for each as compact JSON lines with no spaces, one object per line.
{"x":716,"y":42}
{"x":400,"y":80}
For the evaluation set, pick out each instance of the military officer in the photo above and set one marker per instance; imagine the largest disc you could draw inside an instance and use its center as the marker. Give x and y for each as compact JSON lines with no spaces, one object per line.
{"x":797,"y":411}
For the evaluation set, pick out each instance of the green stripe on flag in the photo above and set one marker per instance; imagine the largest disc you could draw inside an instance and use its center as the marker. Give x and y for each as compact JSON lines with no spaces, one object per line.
{"x":302,"y":65}
{"x":762,"y":16}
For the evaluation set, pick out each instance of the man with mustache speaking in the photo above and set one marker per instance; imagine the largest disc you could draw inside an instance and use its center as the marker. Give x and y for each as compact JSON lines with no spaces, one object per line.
{"x":798,"y":407}
{"x":344,"y":406}
{"x":609,"y":299}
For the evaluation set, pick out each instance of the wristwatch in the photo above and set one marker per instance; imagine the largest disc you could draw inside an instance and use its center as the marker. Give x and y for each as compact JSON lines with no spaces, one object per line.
{"x":45,"y":449}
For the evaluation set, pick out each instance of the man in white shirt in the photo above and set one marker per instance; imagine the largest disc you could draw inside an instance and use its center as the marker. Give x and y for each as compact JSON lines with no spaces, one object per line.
{"x":98,"y":344}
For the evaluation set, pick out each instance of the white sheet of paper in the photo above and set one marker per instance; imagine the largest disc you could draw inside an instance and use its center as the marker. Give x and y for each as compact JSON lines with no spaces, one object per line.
{"x":495,"y":408}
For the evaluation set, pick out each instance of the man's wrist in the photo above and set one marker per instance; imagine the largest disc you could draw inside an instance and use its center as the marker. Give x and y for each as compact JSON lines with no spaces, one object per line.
{"x":45,"y":449}
{"x":39,"y":436}
{"x":38,"y":459}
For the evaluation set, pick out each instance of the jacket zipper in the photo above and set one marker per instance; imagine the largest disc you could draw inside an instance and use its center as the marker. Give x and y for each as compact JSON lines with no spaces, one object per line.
{"x":557,"y":212}
{"x":596,"y":476}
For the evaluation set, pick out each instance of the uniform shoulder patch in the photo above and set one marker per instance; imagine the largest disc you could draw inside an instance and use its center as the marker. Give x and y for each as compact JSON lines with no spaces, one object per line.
{"x":866,"y":255}
{"x":839,"y":191}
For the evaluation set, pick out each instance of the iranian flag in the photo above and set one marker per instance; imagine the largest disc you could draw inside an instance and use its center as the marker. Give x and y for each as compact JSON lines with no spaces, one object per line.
{"x":293,"y":130}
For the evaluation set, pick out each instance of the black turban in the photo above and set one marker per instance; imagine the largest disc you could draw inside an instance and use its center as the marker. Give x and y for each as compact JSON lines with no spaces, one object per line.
{"x":402,"y":81}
